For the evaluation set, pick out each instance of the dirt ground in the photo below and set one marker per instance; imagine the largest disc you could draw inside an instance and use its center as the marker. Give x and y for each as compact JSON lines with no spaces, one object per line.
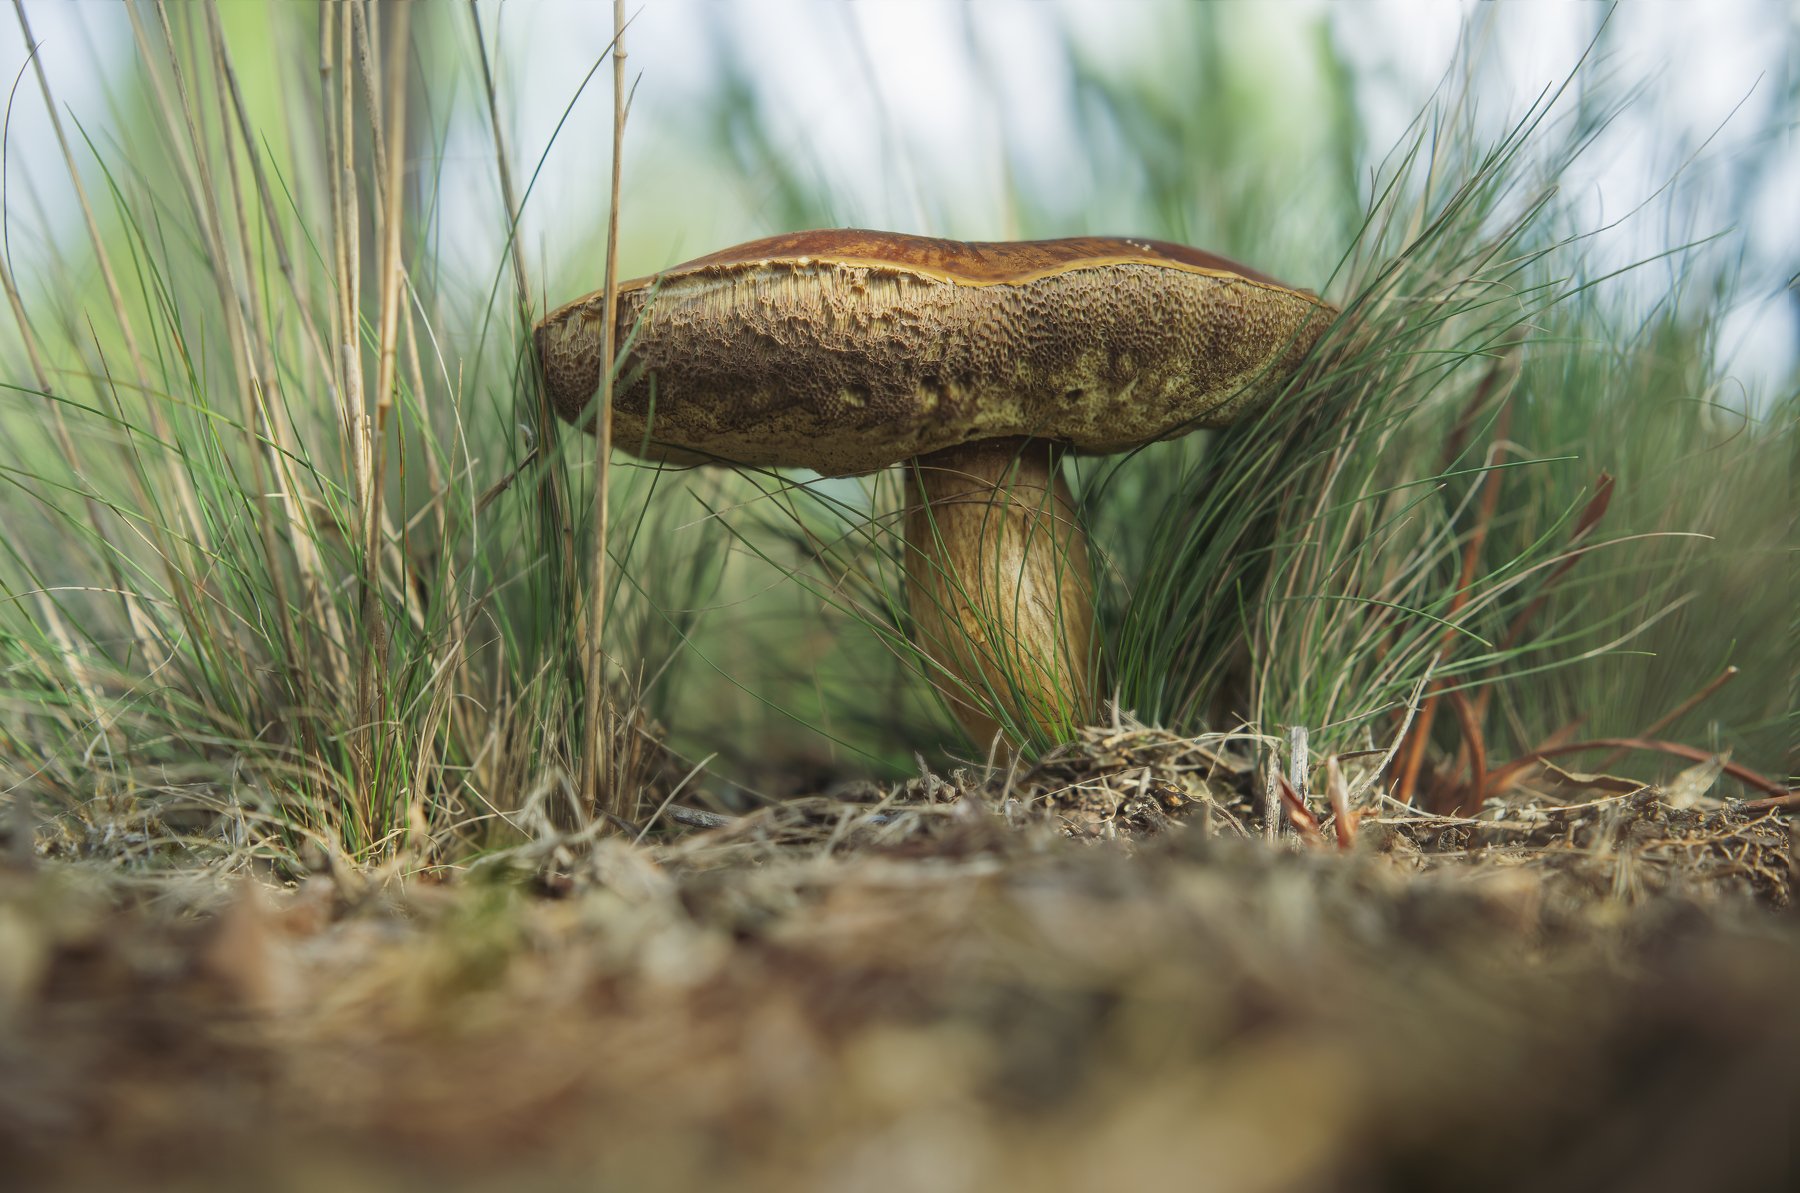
{"x":1100,"y":975}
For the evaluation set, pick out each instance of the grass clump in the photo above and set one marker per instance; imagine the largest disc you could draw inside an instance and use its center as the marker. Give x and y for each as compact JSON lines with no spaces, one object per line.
{"x":280,"y":555}
{"x":1487,"y":506}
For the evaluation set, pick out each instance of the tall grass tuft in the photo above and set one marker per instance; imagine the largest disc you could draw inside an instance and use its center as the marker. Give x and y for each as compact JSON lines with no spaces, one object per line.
{"x":1488,"y":495}
{"x":289,"y":570}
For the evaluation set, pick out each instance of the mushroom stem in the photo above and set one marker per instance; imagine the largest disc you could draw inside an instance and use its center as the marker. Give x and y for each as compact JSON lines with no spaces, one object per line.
{"x":998,"y":584}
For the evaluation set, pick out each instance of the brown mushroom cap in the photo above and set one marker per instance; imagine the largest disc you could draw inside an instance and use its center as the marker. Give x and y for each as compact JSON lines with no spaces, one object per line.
{"x":846,"y":351}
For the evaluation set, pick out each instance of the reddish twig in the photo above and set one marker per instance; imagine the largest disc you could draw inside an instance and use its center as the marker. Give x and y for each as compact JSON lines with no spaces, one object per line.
{"x":1465,"y":422}
{"x":1343,"y":820}
{"x":1675,"y":714}
{"x":1590,"y":516}
{"x":1790,"y":800}
{"x":1412,"y":750}
{"x":1475,"y":743}
{"x":1742,"y":774}
{"x":1490,"y":501}
{"x":1298,"y":812}
{"x":1591,"y":513}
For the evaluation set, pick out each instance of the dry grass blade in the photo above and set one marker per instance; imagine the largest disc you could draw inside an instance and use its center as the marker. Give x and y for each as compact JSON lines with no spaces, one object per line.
{"x":53,"y":617}
{"x":545,"y":429}
{"x":101,"y":256}
{"x":597,"y":780}
{"x":286,"y":456}
{"x":1343,"y":816}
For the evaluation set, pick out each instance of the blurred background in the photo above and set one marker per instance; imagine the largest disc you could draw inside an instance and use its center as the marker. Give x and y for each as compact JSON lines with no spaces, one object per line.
{"x":987,"y":121}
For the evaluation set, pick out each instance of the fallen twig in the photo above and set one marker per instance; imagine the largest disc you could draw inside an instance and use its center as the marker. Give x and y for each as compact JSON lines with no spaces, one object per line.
{"x":1742,"y":774}
{"x":697,"y":818}
{"x":1790,"y":800}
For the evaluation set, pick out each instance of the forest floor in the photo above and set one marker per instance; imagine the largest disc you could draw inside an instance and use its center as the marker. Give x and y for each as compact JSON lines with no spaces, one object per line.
{"x":1099,"y":974}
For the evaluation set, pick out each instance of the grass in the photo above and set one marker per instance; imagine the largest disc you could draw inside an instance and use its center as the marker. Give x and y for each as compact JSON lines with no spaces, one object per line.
{"x":289,"y":561}
{"x":286,"y":545}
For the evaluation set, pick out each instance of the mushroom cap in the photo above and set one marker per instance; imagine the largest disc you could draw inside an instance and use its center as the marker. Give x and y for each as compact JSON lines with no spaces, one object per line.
{"x":846,"y":350}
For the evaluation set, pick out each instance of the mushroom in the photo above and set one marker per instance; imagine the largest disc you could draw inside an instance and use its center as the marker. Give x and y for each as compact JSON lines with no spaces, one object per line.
{"x":846,"y":351}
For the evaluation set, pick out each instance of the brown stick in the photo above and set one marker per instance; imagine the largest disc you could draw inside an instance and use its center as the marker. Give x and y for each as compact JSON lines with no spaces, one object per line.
{"x":1790,"y":800}
{"x":1675,"y":714}
{"x":1590,"y":517}
{"x":1490,"y":501}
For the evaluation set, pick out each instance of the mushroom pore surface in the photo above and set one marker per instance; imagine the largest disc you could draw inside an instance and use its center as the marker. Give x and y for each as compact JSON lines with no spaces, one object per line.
{"x":849,"y":351}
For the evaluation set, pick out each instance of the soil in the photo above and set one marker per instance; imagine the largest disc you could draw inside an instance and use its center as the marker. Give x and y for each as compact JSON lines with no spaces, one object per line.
{"x":1104,"y":973}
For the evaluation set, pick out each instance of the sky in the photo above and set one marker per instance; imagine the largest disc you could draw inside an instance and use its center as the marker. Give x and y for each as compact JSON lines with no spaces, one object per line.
{"x":902,"y":109}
